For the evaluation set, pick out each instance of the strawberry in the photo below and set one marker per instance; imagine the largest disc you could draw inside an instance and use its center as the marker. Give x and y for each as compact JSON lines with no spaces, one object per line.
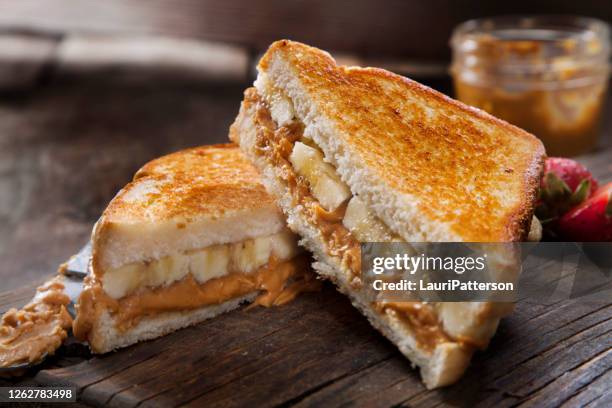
{"x":566,"y":184}
{"x":591,"y":220}
{"x":569,"y":171}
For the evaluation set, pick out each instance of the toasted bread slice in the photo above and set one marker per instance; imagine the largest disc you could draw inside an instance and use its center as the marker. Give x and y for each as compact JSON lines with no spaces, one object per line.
{"x":186,"y":200}
{"x":429,"y":166}
{"x":193,"y":235}
{"x":426,"y":167}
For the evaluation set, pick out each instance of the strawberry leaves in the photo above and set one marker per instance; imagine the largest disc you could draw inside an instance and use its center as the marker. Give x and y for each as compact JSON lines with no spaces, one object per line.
{"x":582,"y":192}
{"x":556,"y":198}
{"x":565,"y":185}
{"x":555,"y":188}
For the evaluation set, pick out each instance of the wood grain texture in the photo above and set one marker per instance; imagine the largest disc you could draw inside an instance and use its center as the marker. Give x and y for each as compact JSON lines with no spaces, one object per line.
{"x":319,"y":351}
{"x":149,"y":57}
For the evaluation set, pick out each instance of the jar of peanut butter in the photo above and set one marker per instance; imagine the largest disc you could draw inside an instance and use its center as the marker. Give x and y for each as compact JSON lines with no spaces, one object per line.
{"x":545,"y":74}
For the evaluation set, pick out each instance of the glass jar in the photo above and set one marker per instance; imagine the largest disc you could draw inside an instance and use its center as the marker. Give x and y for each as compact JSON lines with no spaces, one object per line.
{"x":545,"y":74}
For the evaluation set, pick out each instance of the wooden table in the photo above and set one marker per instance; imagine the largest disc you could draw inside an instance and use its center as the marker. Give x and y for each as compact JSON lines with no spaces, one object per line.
{"x":68,"y":145}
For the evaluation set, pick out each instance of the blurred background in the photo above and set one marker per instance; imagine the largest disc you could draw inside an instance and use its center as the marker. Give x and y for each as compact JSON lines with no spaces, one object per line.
{"x":91,"y":90}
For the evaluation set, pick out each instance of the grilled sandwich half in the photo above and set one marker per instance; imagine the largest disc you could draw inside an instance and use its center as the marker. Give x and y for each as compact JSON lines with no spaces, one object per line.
{"x":357,"y":155}
{"x":193,"y":235}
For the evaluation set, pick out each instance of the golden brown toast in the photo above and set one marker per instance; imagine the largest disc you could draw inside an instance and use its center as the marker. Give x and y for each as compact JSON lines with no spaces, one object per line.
{"x":454,"y":165}
{"x":189,"y":199}
{"x":202,"y":181}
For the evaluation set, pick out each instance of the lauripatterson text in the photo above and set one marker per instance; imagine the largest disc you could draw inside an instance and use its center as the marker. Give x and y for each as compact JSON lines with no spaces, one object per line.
{"x":449,"y":285}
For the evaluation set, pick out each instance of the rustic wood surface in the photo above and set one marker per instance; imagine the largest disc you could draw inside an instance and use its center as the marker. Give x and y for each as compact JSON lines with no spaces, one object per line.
{"x":319,"y":351}
{"x":69,"y":145}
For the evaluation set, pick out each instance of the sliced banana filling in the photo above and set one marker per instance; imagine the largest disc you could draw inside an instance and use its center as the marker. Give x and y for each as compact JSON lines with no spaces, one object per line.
{"x":331,"y":192}
{"x":203,"y":264}
{"x":325,"y":185}
{"x":364,"y":225}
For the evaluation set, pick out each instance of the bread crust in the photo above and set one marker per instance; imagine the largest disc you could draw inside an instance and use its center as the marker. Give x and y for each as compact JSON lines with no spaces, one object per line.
{"x":105,"y":337}
{"x":455,"y":165}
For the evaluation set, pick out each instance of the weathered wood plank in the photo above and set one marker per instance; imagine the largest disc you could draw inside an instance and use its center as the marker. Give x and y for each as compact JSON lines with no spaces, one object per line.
{"x":23,"y":59}
{"x":598,"y":393}
{"x":239,"y":343}
{"x":571,"y":383}
{"x":320,"y":351}
{"x":382,"y":384}
{"x":543,"y":369}
{"x":299,"y":337}
{"x":19,"y":297}
{"x":243,"y":22}
{"x":28,"y":60}
{"x":293,"y":372}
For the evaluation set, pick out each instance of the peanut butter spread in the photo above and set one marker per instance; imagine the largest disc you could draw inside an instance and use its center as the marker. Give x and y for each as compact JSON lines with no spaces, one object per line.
{"x":39,"y":328}
{"x":279,"y":282}
{"x":276,"y":143}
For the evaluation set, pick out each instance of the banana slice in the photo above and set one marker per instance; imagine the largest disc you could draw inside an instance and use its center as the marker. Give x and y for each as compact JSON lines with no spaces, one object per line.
{"x":250,"y":255}
{"x":121,"y":281}
{"x":210,"y":263}
{"x":535,"y":231}
{"x":325,"y":184}
{"x":177,"y":269}
{"x":284,"y":245}
{"x":364,"y":225}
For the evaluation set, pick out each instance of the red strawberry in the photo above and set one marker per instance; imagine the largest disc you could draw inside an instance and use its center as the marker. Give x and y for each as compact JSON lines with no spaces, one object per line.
{"x":569,"y":171}
{"x":566,"y":184}
{"x":591,"y":220}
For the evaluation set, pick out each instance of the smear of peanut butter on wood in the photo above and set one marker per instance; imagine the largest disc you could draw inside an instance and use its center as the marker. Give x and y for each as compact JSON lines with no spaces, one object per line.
{"x":39,"y":328}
